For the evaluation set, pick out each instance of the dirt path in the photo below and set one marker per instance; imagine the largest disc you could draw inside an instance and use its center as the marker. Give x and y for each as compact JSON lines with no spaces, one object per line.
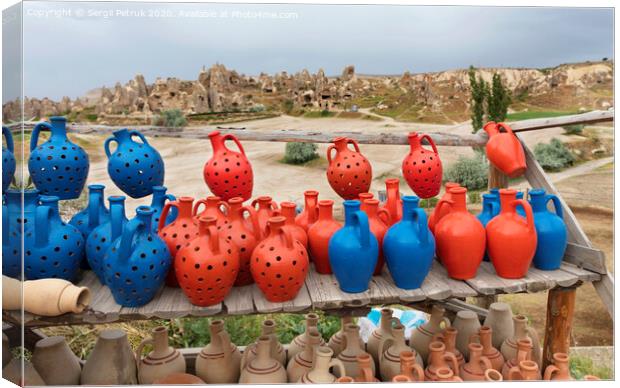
{"x":581,"y":169}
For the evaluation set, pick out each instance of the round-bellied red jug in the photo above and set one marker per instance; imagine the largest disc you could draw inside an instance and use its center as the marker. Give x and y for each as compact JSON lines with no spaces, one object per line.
{"x":266,"y":209}
{"x":421,"y":167}
{"x":309,"y":215}
{"x":379,"y":222}
{"x":279,"y":263}
{"x":511,"y":239}
{"x":393,"y":204}
{"x":214,"y":207}
{"x":435,"y":215}
{"x":177,"y":233}
{"x":504,"y":150}
{"x":349,"y":172}
{"x":287,"y":210}
{"x":228,"y":173}
{"x":207,"y":267}
{"x":550,"y":230}
{"x":460,"y":237}
{"x":320,"y":233}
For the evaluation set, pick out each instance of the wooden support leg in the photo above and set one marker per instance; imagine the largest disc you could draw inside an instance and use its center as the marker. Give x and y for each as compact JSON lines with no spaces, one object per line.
{"x":485,"y":301}
{"x":560,"y":309}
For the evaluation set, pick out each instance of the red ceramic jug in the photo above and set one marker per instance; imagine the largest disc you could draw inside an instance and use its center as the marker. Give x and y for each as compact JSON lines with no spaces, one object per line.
{"x":267,"y":208}
{"x":435,"y":215}
{"x":309,"y":215}
{"x":228,"y":173}
{"x":207,"y":267}
{"x":379,"y":221}
{"x":214,"y":207}
{"x":279,"y":263}
{"x":422,"y":168}
{"x":287,"y":210}
{"x":320,"y":233}
{"x":177,"y":233}
{"x":393,"y":204}
{"x":511,"y":239}
{"x":504,"y":150}
{"x":460,"y":237}
{"x":365,"y":196}
{"x":349,"y":172}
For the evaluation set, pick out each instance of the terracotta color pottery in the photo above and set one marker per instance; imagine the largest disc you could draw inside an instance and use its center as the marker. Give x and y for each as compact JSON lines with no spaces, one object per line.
{"x":213,"y":207}
{"x":263,"y":369}
{"x":299,"y":343}
{"x":522,"y":331}
{"x":422,"y":336}
{"x":179,"y":379}
{"x":336,"y":342}
{"x":320,"y":372}
{"x":401,"y":379}
{"x":379,"y":222}
{"x":393,"y":204}
{"x":499,"y":319}
{"x":45,"y":297}
{"x":381,"y":333}
{"x":162,"y":361}
{"x":219,"y":362}
{"x":511,"y":239}
{"x":448,"y":337}
{"x":279,"y":263}
{"x":422,"y":168}
{"x":526,"y":370}
{"x":309,"y":215}
{"x":485,"y":337}
{"x":55,"y":362}
{"x":410,"y":366}
{"x":493,"y":375}
{"x":112,"y":362}
{"x":228,"y":173}
{"x":559,"y":370}
{"x":319,"y":235}
{"x":364,"y":196}
{"x":352,"y":349}
{"x":390,"y":350}
{"x":345,"y":380}
{"x":524,"y":352}
{"x":466,"y":324}
{"x":287,"y":210}
{"x":349,"y":173}
{"x":504,"y":150}
{"x":477,"y":365}
{"x":277,"y":350}
{"x":439,"y":212}
{"x":439,"y":358}
{"x":26,"y":377}
{"x":460,"y":238}
{"x":265,"y":208}
{"x":302,"y":362}
{"x":446,"y":374}
{"x":366,"y":373}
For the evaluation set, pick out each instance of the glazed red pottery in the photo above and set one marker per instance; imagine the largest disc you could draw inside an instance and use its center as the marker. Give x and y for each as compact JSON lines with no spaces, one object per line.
{"x":460,"y":237}
{"x":279,"y":263}
{"x":393,"y":204}
{"x":504,"y":150}
{"x":349,"y":173}
{"x":228,"y":173}
{"x":265,"y":208}
{"x":379,"y":222}
{"x":177,"y":233}
{"x":213,"y":207}
{"x":435,"y":215}
{"x":421,"y":167}
{"x":365,"y":196}
{"x":511,"y":239}
{"x":309,"y":215}
{"x":207,"y":267}
{"x":320,"y":233}
{"x":287,"y":210}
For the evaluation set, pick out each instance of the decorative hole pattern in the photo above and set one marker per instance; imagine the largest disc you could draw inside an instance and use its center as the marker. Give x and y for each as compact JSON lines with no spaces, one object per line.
{"x":422,"y":170}
{"x":12,"y":236}
{"x":349,"y":172}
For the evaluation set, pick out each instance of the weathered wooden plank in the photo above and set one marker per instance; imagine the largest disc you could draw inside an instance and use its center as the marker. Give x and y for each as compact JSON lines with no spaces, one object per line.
{"x":459,"y":288}
{"x":555,"y":278}
{"x":597,"y":116}
{"x":585,"y":257}
{"x":487,"y":282}
{"x":240,"y":301}
{"x":103,"y":307}
{"x":583,"y":274}
{"x":406,"y":296}
{"x":435,"y":286}
{"x":301,"y":302}
{"x":325,"y":292}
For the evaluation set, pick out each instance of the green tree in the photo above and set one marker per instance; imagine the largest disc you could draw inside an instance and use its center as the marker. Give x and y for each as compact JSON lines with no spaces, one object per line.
{"x":498,"y":100}
{"x":478,"y":94}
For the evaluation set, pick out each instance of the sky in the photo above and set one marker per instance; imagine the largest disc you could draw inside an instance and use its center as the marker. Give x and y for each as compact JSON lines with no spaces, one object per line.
{"x":70,"y":48}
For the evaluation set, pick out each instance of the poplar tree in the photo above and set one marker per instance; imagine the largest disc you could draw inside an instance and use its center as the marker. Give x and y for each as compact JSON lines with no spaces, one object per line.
{"x":478,"y":94}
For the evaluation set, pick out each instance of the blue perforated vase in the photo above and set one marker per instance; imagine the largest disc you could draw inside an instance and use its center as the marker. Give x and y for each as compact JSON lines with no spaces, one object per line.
{"x":94,"y":214}
{"x":8,"y":159}
{"x":12,"y":221}
{"x":157,"y":203}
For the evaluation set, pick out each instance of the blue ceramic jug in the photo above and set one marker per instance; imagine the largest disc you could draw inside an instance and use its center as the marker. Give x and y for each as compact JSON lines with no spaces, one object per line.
{"x":490,"y":208}
{"x":100,"y":239}
{"x":157,"y":203}
{"x":58,"y":247}
{"x":353,"y":250}
{"x":57,"y":167}
{"x":409,"y":246}
{"x":550,"y":229}
{"x":8,"y":159}
{"x":12,"y":221}
{"x":136,"y":264}
{"x":135,"y":167}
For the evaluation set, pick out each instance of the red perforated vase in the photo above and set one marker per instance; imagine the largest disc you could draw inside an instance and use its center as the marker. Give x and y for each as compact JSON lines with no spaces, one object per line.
{"x":309,"y":215}
{"x":228,"y":173}
{"x":349,"y":173}
{"x":379,"y":222}
{"x":436,"y":214}
{"x":279,"y":263}
{"x":207,"y":267}
{"x":320,"y":233}
{"x":393,"y":204}
{"x":422,"y":168}
{"x":287,"y":210}
{"x":504,"y":150}
{"x":265,"y":208}
{"x":213,"y":207}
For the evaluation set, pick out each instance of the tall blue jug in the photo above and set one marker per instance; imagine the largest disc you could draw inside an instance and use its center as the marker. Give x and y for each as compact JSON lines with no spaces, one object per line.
{"x":157,"y":203}
{"x":490,"y":208}
{"x":353,"y":250}
{"x":57,"y":167}
{"x":8,"y":159}
{"x":409,"y":246}
{"x":550,"y":229}
{"x":92,"y":216}
{"x":12,"y":222}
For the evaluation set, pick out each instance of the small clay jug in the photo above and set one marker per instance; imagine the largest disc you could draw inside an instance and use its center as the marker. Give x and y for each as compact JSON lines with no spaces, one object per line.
{"x":302,"y":362}
{"x":179,"y":379}
{"x":320,"y":372}
{"x":393,"y":204}
{"x":526,"y":370}
{"x":309,"y":215}
{"x":439,"y":358}
{"x":162,"y":361}
{"x":493,"y":375}
{"x":299,"y":343}
{"x":45,"y":297}
{"x":477,"y":365}
{"x":268,"y":329}
{"x":422,"y":335}
{"x":521,"y":331}
{"x":214,"y":207}
{"x":365,"y":374}
{"x":485,"y":338}
{"x":287,"y":210}
{"x":436,"y":215}
{"x":381,"y":333}
{"x":410,"y":366}
{"x":349,"y":173}
{"x":336,"y":342}
{"x":345,"y":380}
{"x":559,"y":370}
{"x":319,"y":235}
{"x":352,"y":349}
{"x":55,"y":362}
{"x":401,"y":379}
{"x":219,"y":362}
{"x":499,"y":319}
{"x":422,"y":167}
{"x":467,"y":324}
{"x":390,"y":351}
{"x":263,"y":369}
{"x":112,"y":362}
{"x":524,"y":352}
{"x":446,"y":374}
{"x":379,"y":222}
{"x":448,"y":337}
{"x":364,"y":196}
{"x":265,"y":208}
{"x":504,"y":150}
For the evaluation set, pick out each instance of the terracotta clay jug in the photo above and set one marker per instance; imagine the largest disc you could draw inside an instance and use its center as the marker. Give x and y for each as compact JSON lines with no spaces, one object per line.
{"x":522,"y":331}
{"x":336,"y":342}
{"x":422,"y":335}
{"x":345,"y":380}
{"x":214,"y":207}
{"x":45,"y":297}
{"x":162,"y":361}
{"x":401,"y":379}
{"x":301,"y":363}
{"x":219,"y":362}
{"x":493,"y":375}
{"x":524,"y":352}
{"x":366,"y":373}
{"x":511,"y":239}
{"x":410,"y":366}
{"x":319,"y":235}
{"x":559,"y":370}
{"x":298,"y":343}
{"x":504,"y":150}
{"x":112,"y":362}
{"x":349,"y":173}
{"x":364,"y":196}
{"x":439,"y":358}
{"x":526,"y":370}
{"x":445,"y":374}
{"x":390,"y":351}
{"x":263,"y":369}
{"x":55,"y":362}
{"x":287,"y":210}
{"x":436,"y":215}
{"x":179,"y":379}
{"x":393,"y":204}
{"x":460,"y":237}
{"x":320,"y":372}
{"x":421,"y":167}
{"x":309,"y":215}
{"x":474,"y":369}
{"x":265,"y":208}
{"x":467,"y":324}
{"x":352,"y":349}
{"x":381,"y":333}
{"x":268,"y":329}
{"x":228,"y":173}
{"x":448,"y":337}
{"x":379,"y":222}
{"x":485,"y":338}
{"x":499,"y":319}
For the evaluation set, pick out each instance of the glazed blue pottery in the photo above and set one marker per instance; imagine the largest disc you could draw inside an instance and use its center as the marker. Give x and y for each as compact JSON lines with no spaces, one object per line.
{"x":92,"y":216}
{"x":58,"y":247}
{"x":157,"y":203}
{"x":57,"y":167}
{"x":353,"y":250}
{"x":409,"y":246}
{"x":12,"y":221}
{"x":8,"y":159}
{"x":100,"y":239}
{"x":550,"y":229}
{"x":136,"y":264}
{"x":135,"y":167}
{"x":490,"y":208}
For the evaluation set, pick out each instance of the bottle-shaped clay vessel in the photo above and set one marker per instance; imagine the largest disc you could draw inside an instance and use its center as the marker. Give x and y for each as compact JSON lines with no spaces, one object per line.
{"x":390,"y":350}
{"x":526,"y":371}
{"x":522,"y":331}
{"x":485,"y":338}
{"x":320,"y":373}
{"x":381,"y":333}
{"x":55,"y":362}
{"x":309,"y":215}
{"x":410,"y":367}
{"x":524,"y":352}
{"x":336,"y":342}
{"x":349,"y":354}
{"x":214,"y":207}
{"x":299,"y":343}
{"x":277,"y":350}
{"x":302,"y":362}
{"x":319,"y":234}
{"x":112,"y":362}
{"x":379,"y":222}
{"x":162,"y":361}
{"x":393,"y":204}
{"x":219,"y":362}
{"x":499,"y":319}
{"x":448,"y":337}
{"x":365,"y":374}
{"x":559,"y":370}
{"x":474,"y":369}
{"x":467,"y":324}
{"x":422,"y":336}
{"x":493,"y":375}
{"x":446,"y":374}
{"x":287,"y":210}
{"x":439,"y":358}
{"x":263,"y":369}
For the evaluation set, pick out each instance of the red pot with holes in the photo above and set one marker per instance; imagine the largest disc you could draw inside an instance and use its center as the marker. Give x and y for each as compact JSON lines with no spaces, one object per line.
{"x":422,"y":168}
{"x":265,"y":208}
{"x":288,"y":211}
{"x":213,"y":207}
{"x":309,"y":215}
{"x":349,"y":172}
{"x":207,"y":267}
{"x":279,"y":263}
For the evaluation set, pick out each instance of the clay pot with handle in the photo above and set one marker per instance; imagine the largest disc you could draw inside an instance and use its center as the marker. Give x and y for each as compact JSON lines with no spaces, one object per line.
{"x":366,"y":373}
{"x":422,"y":335}
{"x":436,"y":214}
{"x":265,"y":208}
{"x":319,"y":235}
{"x":504,"y":150}
{"x":410,"y":366}
{"x":559,"y":370}
{"x":526,"y":370}
{"x":349,"y":354}
{"x":522,"y":331}
{"x":162,"y":361}
{"x":393,"y":204}
{"x":213,"y":207}
{"x":448,"y":337}
{"x":309,"y":214}
{"x":219,"y":362}
{"x":390,"y":351}
{"x":299,"y":343}
{"x":499,"y":319}
{"x":446,"y":374}
{"x":287,"y":210}
{"x":477,"y":365}
{"x":438,"y":358}
{"x":421,"y":167}
{"x":485,"y":338}
{"x":467,"y":324}
{"x":263,"y":369}
{"x":493,"y":375}
{"x":379,"y":222}
{"x":303,"y":361}
{"x":524,"y":352}
{"x":320,"y":372}
{"x":277,"y":350}
{"x":381,"y":333}
{"x":337,"y":341}
{"x":349,"y":173}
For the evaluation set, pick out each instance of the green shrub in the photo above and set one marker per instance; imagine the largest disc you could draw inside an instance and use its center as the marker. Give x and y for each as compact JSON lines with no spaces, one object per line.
{"x":553,"y":156}
{"x":288,"y":105}
{"x":299,"y":153}
{"x":170,"y":118}
{"x":473,"y":196}
{"x":91,"y":117}
{"x":326,"y":113}
{"x":576,"y":129}
{"x":429,"y":203}
{"x":470,"y":172}
{"x":257,"y":108}
{"x":581,"y":366}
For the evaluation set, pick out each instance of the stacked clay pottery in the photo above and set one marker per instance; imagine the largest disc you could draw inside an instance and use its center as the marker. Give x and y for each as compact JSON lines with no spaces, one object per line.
{"x":279,"y":263}
{"x":381,"y":333}
{"x":45,"y":297}
{"x":550,"y":230}
{"x":299,"y":343}
{"x":504,"y":150}
{"x":277,"y":350}
{"x":477,"y":365}
{"x":493,"y":375}
{"x":179,"y":379}
{"x":499,"y":319}
{"x":228,"y":173}
{"x":559,"y":370}
{"x":162,"y":361}
{"x":319,"y":235}
{"x":263,"y":369}
{"x":353,"y":250}
{"x":242,"y":236}
{"x":287,"y":210}
{"x":440,"y":211}
{"x":366,"y":372}
{"x":445,"y":374}
{"x":18,"y":219}
{"x":22,"y":373}
{"x":135,"y":167}
{"x":485,"y":337}
{"x":219,"y":362}
{"x":57,"y":167}
{"x":112,"y":362}
{"x":524,"y":352}
{"x":521,"y":331}
{"x":320,"y":372}
{"x":422,"y":168}
{"x":158,"y":201}
{"x":379,"y":222}
{"x":511,"y":239}
{"x":352,"y":349}
{"x":349,"y":173}
{"x":55,"y":362}
{"x":266,"y":209}
{"x":214,"y":207}
{"x":460,"y":237}
{"x":410,"y":367}
{"x":448,"y":337}
{"x":393,"y":204}
{"x":336,"y":342}
{"x":390,"y":352}
{"x":309,"y":215}
{"x":301,"y":363}
{"x":94,"y":214}
{"x":8,"y":159}
{"x":526,"y":370}
{"x":438,"y":359}
{"x":467,"y":324}
{"x":422,"y":336}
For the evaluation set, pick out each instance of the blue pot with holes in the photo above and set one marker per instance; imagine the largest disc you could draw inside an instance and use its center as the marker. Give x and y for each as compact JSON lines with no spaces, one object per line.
{"x":158,"y":201}
{"x":8,"y":159}
{"x":550,"y":230}
{"x":12,"y":223}
{"x":92,"y":216}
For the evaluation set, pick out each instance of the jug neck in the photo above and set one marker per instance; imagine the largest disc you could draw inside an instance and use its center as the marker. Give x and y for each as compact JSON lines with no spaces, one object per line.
{"x":287,"y":209}
{"x":269,"y":327}
{"x":392,"y":187}
{"x":410,"y":204}
{"x":52,"y":202}
{"x":538,"y":200}
{"x":275,"y":224}
{"x":312,"y":320}
{"x":341,"y":143}
{"x":159,"y":196}
{"x":458,"y":196}
{"x":236,"y":209}
{"x":160,"y":341}
{"x":217,"y":141}
{"x":506,"y":198}
{"x":117,"y":215}
{"x":486,"y":335}
{"x":215,"y":328}
{"x":350,"y":208}
{"x":310,"y":199}
{"x":414,"y":141}
{"x":264,"y":203}
{"x":323,"y":358}
{"x":122,"y":135}
{"x":352,"y":336}
{"x":370,"y":207}
{"x":263,"y":348}
{"x":145,"y":214}
{"x":326,"y":208}
{"x":184,"y":205}
{"x":59,"y":127}
{"x":386,"y":320}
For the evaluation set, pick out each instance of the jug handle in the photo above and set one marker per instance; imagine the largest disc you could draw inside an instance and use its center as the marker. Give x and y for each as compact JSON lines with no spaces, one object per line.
{"x":528,"y":211}
{"x":550,"y":371}
{"x":8,"y":137}
{"x":505,"y":127}
{"x":41,"y":225}
{"x":214,"y":239}
{"x":355,"y":145}
{"x":288,"y":237}
{"x":430,"y":141}
{"x":197,"y":204}
{"x":387,"y":218}
{"x":106,"y":145}
{"x":141,"y":136}
{"x":129,"y":232}
{"x":34,"y":137}
{"x":422,"y":225}
{"x":485,"y":363}
{"x":164,"y":215}
{"x":384,"y":345}
{"x":514,"y":373}
{"x":451,"y":358}
{"x":329,"y":153}
{"x":93,"y":211}
{"x":237,"y":142}
{"x":417,"y":372}
{"x":147,"y":341}
{"x":362,"y":221}
{"x":556,"y":204}
{"x":258,"y":234}
{"x":440,"y":204}
{"x":338,"y":366}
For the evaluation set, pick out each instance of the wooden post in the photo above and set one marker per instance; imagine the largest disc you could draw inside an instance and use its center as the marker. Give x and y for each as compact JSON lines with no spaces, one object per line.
{"x":560,"y":309}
